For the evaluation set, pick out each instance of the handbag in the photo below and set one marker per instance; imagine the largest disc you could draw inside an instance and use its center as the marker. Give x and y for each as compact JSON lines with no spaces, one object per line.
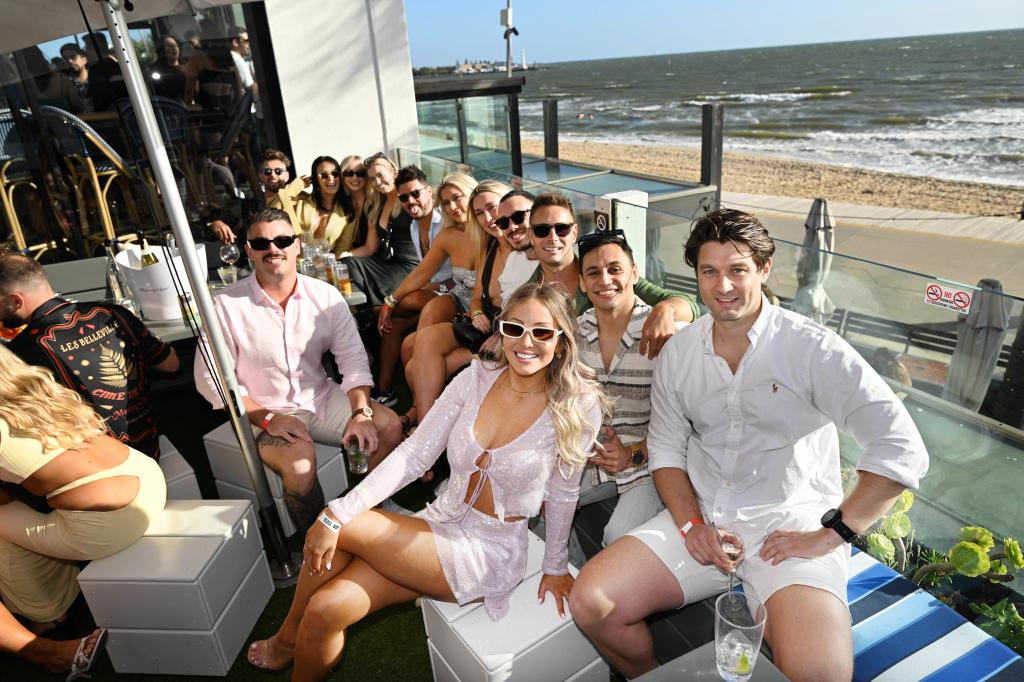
{"x":467,"y":335}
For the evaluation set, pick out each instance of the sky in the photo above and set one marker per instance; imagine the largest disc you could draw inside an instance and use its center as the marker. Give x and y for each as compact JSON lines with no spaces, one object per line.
{"x":567,"y":30}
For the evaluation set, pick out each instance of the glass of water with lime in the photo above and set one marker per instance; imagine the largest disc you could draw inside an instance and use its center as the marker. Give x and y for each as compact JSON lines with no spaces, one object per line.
{"x":739,"y":629}
{"x":358,"y":457}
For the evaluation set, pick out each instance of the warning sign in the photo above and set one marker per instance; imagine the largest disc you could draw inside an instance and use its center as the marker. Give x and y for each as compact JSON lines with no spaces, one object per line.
{"x":957,"y":300}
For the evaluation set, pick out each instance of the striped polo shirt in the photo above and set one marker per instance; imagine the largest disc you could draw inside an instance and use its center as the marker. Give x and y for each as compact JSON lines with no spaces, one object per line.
{"x":627,"y":383}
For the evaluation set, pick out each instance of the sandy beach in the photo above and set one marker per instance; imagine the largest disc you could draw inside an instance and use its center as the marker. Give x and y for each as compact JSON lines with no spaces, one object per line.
{"x":785,"y":177}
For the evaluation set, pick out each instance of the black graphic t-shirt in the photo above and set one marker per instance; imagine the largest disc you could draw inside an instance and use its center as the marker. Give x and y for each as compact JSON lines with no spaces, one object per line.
{"x":104,"y":353}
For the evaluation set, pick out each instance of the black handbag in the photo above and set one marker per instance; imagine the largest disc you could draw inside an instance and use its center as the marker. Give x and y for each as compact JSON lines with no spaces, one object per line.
{"x":467,"y":335}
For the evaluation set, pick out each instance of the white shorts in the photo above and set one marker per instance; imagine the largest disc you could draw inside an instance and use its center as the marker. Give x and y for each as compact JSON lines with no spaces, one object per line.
{"x":757,"y":576}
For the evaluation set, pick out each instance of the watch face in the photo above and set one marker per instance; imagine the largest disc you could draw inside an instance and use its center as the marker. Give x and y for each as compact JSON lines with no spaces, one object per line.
{"x":830,"y":517}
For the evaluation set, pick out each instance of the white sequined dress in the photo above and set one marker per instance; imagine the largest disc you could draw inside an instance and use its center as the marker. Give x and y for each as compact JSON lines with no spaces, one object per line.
{"x":483,"y":556}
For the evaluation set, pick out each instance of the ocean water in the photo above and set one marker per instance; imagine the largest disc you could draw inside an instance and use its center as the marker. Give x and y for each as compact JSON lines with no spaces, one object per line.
{"x":947,"y":106}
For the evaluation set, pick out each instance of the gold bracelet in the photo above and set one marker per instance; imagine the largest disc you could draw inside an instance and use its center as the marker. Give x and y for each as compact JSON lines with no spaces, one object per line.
{"x":476,"y":314}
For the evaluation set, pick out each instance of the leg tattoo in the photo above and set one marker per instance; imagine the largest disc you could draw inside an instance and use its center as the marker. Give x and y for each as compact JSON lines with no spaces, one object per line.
{"x":273,"y":441}
{"x":304,"y":508}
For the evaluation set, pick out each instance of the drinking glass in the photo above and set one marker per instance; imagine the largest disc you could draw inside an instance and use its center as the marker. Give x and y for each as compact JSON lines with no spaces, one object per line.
{"x":228,"y":274}
{"x":735,"y":555}
{"x":230,"y":254}
{"x":739,"y":628}
{"x":358,"y":458}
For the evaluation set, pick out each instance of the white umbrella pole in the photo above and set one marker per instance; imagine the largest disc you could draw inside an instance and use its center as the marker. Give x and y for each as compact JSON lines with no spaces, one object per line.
{"x":117,"y":25}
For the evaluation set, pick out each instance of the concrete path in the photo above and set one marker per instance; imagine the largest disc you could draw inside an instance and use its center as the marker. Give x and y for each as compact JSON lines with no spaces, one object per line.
{"x":956,"y":248}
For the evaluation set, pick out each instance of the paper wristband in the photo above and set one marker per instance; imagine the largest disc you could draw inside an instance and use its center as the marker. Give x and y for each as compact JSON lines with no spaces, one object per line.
{"x":689,"y":526}
{"x":266,"y":421}
{"x":329,"y":522}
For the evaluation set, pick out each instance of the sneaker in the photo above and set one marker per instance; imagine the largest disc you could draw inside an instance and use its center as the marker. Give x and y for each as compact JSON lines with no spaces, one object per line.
{"x":393,"y":507}
{"x":388,"y":399}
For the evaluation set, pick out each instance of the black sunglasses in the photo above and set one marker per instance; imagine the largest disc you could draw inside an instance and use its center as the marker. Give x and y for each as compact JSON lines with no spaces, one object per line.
{"x":328,"y":174}
{"x":514,"y":330}
{"x":281,"y":241}
{"x":599,"y":238}
{"x":415,"y":194}
{"x":349,"y":173}
{"x":273,"y":171}
{"x":542,"y":230}
{"x":517,"y":217}
{"x":370,"y":159}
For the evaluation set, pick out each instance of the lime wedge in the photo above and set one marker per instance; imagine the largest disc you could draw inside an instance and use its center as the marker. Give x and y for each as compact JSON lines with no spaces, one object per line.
{"x":743,"y":665}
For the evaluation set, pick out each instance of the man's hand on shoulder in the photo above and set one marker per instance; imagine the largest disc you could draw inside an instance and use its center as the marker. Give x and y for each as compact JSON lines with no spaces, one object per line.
{"x":659,"y":328}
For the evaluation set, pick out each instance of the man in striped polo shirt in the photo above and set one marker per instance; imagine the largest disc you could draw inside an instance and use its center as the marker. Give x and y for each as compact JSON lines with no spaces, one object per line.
{"x":609,"y":343}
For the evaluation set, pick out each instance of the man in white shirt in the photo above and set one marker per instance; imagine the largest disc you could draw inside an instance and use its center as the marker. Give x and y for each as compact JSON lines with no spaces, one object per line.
{"x":743,"y":443}
{"x":240,"y":53}
{"x":278,"y":325}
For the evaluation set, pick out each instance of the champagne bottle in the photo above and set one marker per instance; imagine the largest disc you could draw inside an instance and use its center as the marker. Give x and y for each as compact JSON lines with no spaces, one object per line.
{"x":118,"y":290}
{"x":148,"y":257}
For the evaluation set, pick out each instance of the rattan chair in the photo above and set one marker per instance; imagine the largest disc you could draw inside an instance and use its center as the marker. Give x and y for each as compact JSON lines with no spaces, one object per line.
{"x":94,"y":165}
{"x":175,"y":128}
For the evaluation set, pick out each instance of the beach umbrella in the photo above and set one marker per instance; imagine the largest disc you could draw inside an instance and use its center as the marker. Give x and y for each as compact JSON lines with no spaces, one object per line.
{"x":815,"y":263}
{"x":979,"y":338}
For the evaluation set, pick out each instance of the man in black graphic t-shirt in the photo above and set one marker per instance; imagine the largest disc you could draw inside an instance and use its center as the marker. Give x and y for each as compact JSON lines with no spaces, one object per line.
{"x":101,"y":351}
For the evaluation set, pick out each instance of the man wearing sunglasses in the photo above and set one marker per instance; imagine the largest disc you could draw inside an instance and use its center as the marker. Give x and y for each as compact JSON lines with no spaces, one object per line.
{"x":279,"y":191}
{"x":417,"y":199}
{"x":553,"y":232}
{"x":278,"y":325}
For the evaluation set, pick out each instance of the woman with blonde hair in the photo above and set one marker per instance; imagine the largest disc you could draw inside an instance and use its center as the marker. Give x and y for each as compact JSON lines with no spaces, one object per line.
{"x":415,"y":301}
{"x":354,"y":185}
{"x":517,"y":432}
{"x":100,"y":495}
{"x":388,"y":255}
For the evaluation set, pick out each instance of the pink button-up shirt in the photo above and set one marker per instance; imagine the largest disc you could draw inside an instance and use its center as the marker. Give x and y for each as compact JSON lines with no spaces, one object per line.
{"x":277,"y":351}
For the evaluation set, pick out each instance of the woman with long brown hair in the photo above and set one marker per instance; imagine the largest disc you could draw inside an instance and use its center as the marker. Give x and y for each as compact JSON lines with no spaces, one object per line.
{"x":517,"y":433}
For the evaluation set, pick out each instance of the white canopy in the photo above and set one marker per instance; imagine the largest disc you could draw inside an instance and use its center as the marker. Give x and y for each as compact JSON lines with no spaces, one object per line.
{"x":30,"y":22}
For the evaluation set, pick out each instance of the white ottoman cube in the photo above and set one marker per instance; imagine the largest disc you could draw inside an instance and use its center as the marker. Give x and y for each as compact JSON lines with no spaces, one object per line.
{"x":184,"y":597}
{"x":228,"y":465}
{"x":530,"y":643}
{"x":181,"y":480}
{"x":229,"y":491}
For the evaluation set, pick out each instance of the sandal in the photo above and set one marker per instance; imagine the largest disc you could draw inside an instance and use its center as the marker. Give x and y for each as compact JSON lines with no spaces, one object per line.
{"x":83,"y":662}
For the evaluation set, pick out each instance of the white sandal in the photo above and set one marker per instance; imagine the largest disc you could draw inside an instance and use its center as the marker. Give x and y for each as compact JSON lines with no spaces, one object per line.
{"x":83,"y":662}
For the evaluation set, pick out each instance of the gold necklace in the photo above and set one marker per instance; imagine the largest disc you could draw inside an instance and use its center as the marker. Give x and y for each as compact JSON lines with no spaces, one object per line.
{"x":509,"y":381}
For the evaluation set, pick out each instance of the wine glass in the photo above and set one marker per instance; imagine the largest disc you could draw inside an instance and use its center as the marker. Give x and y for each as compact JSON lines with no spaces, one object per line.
{"x":230,"y":254}
{"x":735,"y":555}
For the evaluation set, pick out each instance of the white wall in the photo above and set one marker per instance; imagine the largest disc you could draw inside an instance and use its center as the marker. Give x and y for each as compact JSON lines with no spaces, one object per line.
{"x":345,"y":75}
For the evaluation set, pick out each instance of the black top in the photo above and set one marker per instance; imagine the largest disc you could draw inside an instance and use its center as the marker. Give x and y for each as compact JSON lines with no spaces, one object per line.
{"x":103,"y":353}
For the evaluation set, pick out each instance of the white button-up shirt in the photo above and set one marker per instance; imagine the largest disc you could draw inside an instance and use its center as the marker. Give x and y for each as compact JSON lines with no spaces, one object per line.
{"x":277,"y":351}
{"x":761,"y":446}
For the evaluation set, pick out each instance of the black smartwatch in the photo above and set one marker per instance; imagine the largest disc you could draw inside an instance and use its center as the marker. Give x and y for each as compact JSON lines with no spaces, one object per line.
{"x":833,"y":519}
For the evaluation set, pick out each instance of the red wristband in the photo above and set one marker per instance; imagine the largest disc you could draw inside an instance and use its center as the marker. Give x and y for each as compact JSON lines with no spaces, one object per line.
{"x":689,"y":525}
{"x":266,"y":421}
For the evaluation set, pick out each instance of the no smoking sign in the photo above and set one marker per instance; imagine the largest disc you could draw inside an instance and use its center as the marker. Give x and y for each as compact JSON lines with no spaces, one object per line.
{"x":957,"y":300}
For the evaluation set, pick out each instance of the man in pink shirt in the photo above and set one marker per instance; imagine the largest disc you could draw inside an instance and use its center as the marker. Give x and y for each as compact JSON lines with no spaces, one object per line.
{"x":278,"y":324}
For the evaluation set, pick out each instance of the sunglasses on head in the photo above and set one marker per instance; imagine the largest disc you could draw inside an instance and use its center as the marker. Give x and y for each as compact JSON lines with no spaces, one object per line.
{"x":517,"y":217}
{"x":323,"y":175}
{"x":599,"y":238}
{"x":273,"y":171}
{"x":542,"y":230}
{"x":370,"y":159}
{"x":281,"y":241}
{"x":514,"y":330}
{"x":415,"y":194}
{"x":359,"y":173}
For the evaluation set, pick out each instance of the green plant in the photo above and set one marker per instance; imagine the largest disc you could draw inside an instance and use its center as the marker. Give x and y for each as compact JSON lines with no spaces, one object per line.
{"x":1002,"y":621}
{"x":889,"y":542}
{"x":971,"y":557}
